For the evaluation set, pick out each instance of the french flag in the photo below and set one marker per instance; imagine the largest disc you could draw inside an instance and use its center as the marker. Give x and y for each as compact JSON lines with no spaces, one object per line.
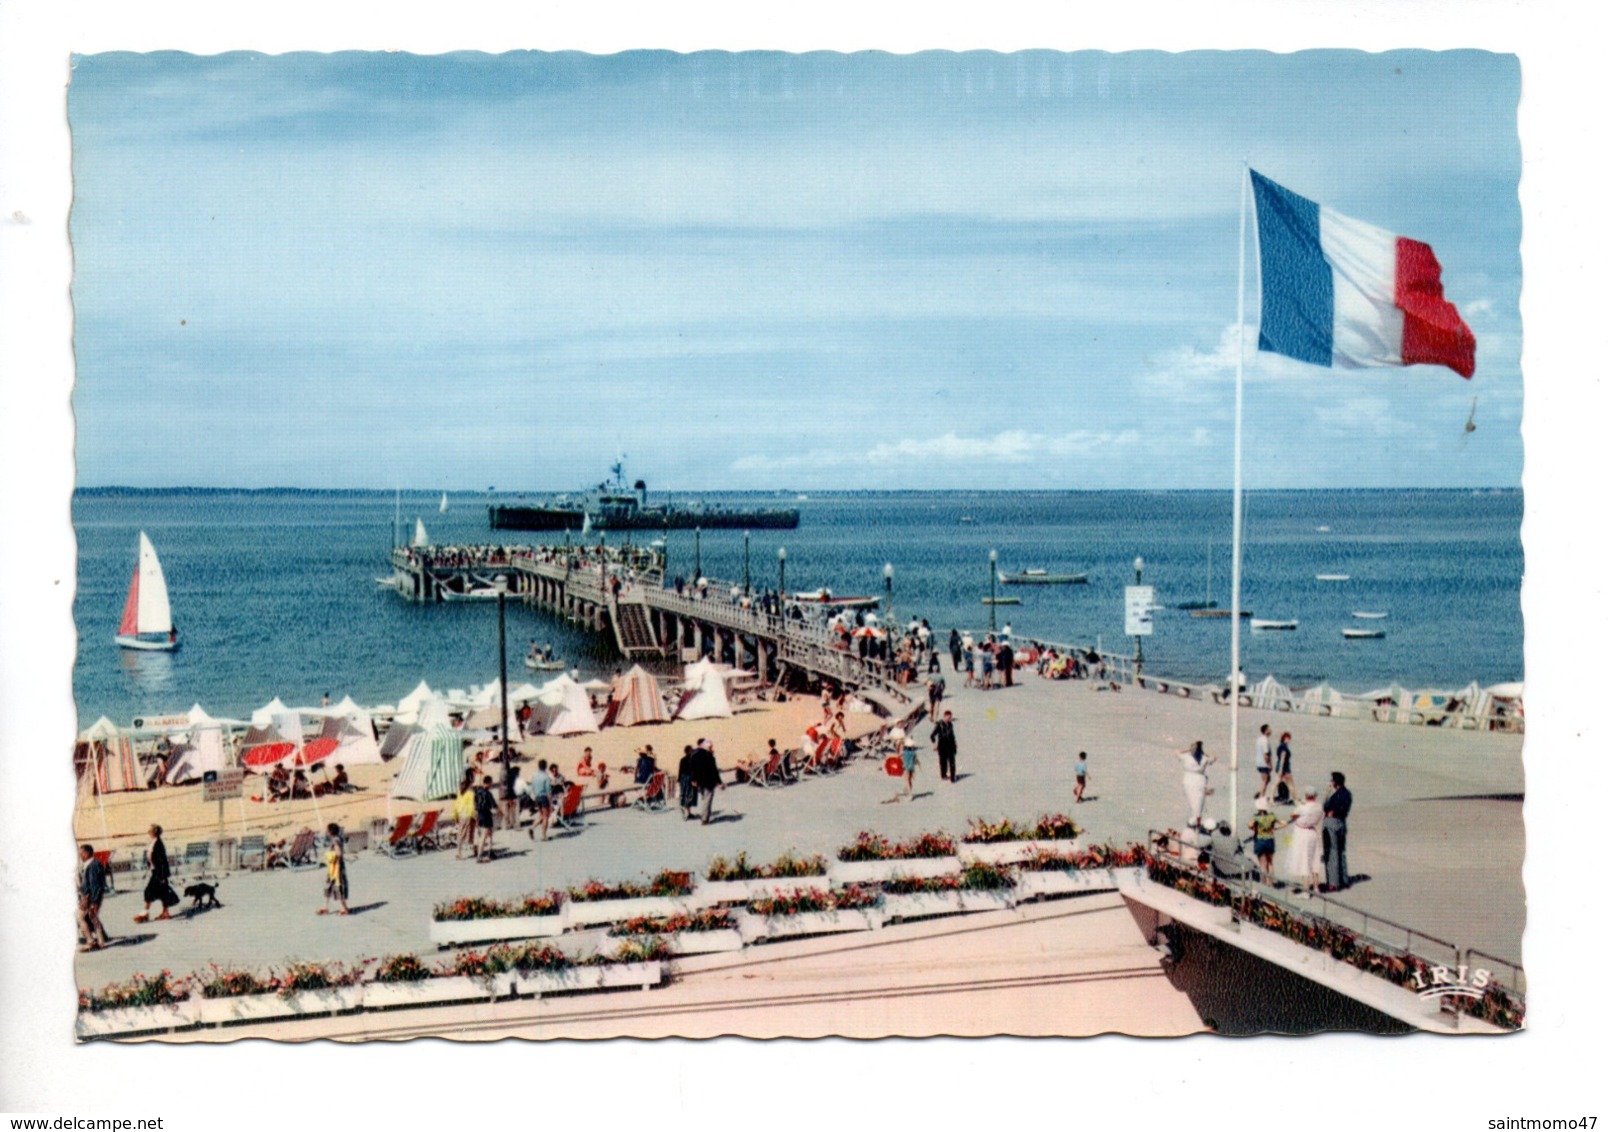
{"x":1338,"y":292}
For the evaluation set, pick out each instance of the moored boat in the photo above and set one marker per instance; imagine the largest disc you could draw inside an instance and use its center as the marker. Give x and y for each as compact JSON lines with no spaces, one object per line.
{"x":1002,"y":601}
{"x":1366,"y":616}
{"x":1041,"y":578}
{"x":1334,"y":577}
{"x":612,"y":506}
{"x":1215,"y":612}
{"x":147,"y":621}
{"x":1362,"y":634}
{"x":1268,"y":626}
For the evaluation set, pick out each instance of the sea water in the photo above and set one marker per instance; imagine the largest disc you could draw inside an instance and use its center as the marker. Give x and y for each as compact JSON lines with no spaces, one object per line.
{"x":274,"y":592}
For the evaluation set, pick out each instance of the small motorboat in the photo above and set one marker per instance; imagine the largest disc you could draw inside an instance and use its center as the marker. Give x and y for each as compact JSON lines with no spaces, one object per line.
{"x":1366,"y":616}
{"x":388,"y":582}
{"x":1002,"y":601}
{"x":1362,"y":634}
{"x":473,"y":593}
{"x":1262,"y":626}
{"x":541,"y":659}
{"x":1214,"y":612}
{"x":1334,"y":577}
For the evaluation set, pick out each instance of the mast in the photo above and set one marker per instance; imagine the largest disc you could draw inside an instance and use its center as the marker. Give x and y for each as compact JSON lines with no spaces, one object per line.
{"x":1239,"y":514}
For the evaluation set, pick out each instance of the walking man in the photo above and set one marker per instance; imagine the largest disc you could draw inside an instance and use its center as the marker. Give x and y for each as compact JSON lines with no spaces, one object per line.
{"x":954,"y":648}
{"x":943,"y":738}
{"x":510,"y":793}
{"x":1336,"y":808}
{"x":935,"y":695}
{"x":91,"y":892}
{"x":705,"y":775}
{"x":485,"y":819}
{"x":1007,"y":661}
{"x":540,"y":789}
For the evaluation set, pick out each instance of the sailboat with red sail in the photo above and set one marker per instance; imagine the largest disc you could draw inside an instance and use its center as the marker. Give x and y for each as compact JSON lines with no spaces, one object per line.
{"x":147,"y":617}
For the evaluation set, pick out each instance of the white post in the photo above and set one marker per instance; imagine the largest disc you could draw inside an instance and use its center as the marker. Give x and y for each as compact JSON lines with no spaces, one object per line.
{"x":1234,"y":605}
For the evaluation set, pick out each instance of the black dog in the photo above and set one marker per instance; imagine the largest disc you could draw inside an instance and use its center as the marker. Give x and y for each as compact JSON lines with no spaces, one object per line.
{"x":204,"y":896}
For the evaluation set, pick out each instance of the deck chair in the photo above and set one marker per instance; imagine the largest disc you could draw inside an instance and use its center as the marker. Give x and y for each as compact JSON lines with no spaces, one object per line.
{"x":425,"y":835}
{"x":197,"y":854}
{"x":396,"y":843}
{"x":567,"y":814}
{"x":768,"y":775}
{"x":815,"y":761}
{"x":253,"y":852}
{"x":298,"y":854}
{"x":653,"y":794}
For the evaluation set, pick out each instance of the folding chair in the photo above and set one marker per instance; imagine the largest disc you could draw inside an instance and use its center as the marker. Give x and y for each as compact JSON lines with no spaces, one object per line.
{"x":653,"y":795}
{"x":567,"y":815}
{"x":253,"y":852}
{"x":425,"y":836}
{"x":299,"y":854}
{"x":397,"y":843}
{"x":768,"y":775}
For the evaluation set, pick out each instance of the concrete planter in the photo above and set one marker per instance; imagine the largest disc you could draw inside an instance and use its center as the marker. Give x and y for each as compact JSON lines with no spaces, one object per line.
{"x":586,"y":913}
{"x":640,"y":975}
{"x":754,"y":928}
{"x":273,"y":1007}
{"x":914,"y":905}
{"x":987,"y":900}
{"x":449,"y":933}
{"x":125,"y":1020}
{"x":1011,"y":852}
{"x":1063,"y":882}
{"x":875,"y":872}
{"x":441,"y":988}
{"x":698,"y":943}
{"x":712,"y":892}
{"x":567,"y":981}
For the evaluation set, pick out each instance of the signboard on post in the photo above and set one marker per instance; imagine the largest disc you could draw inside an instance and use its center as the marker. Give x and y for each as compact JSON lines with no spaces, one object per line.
{"x":1140,"y":601}
{"x":220,"y":785}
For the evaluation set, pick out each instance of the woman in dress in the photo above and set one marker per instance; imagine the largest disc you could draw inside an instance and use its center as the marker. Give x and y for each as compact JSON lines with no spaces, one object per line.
{"x":1195,"y":760}
{"x":1286,"y":774}
{"x":1306,"y":853}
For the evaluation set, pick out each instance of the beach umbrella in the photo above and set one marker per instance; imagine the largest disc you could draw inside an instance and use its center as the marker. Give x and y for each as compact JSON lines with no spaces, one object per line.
{"x":316,"y":751}
{"x":267,"y":754}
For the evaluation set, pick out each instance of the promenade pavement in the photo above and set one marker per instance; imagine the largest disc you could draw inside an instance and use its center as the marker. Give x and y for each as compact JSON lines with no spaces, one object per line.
{"x":1436,"y":835}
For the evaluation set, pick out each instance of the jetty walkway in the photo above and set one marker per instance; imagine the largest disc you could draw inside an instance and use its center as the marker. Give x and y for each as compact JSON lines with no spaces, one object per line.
{"x":620,"y":592}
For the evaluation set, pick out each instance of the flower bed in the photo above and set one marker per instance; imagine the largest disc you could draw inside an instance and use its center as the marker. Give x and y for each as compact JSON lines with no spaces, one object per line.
{"x":403,"y":980}
{"x":142,"y":1004}
{"x":475,"y":919}
{"x":872,"y":858}
{"x":1049,"y":873}
{"x":981,"y":887}
{"x":810,"y":911}
{"x":633,"y":963}
{"x":599,"y":903}
{"x":737,"y":882}
{"x":688,"y":933}
{"x":1005,"y":842}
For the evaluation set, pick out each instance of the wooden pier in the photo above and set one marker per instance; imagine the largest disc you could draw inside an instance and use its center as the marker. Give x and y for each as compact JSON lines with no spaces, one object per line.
{"x":620,"y":593}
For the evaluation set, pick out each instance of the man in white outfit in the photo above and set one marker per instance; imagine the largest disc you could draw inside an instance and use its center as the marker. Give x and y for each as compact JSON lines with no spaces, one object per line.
{"x":1264,"y":759}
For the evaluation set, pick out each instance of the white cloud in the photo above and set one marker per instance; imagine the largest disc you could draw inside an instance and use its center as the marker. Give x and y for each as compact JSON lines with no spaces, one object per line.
{"x":1013,"y":446}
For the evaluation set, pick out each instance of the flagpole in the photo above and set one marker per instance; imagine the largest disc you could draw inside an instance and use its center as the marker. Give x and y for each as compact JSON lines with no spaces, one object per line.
{"x":1234,"y":603}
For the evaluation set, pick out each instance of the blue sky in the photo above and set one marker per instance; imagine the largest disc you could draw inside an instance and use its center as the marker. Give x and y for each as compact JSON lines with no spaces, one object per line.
{"x":762,"y":271}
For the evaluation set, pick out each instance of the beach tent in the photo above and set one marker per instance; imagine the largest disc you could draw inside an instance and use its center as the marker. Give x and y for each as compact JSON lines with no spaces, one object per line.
{"x":637,"y":699}
{"x":407,"y":708}
{"x":564,"y":708}
{"x":198,"y":751}
{"x":264,"y":716}
{"x":708,"y":701}
{"x":432,"y":766}
{"x":354,"y":739}
{"x":1500,"y":708}
{"x":430,"y":713}
{"x":1325,"y":699}
{"x":1270,"y":695}
{"x":104,"y":758}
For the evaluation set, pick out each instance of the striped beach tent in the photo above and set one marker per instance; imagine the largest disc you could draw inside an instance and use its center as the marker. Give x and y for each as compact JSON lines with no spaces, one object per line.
{"x":638,"y":699}
{"x":432,"y":765}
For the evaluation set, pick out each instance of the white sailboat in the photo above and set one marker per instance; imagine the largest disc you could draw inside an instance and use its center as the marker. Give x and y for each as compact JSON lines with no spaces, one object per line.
{"x":420,"y":537}
{"x":443,"y":503}
{"x":147,"y":617}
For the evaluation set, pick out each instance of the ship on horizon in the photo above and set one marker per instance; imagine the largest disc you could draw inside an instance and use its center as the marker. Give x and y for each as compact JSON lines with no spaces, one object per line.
{"x":612,"y":506}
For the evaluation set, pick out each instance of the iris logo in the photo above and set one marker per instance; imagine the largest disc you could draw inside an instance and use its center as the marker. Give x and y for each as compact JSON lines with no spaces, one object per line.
{"x":1452,"y":982}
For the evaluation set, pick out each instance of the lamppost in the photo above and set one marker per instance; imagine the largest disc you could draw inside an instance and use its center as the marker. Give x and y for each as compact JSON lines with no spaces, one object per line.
{"x":501,"y":585}
{"x":748,"y":591}
{"x":993,"y":560}
{"x":1139,"y":642}
{"x":781,"y":580}
{"x":887,"y":606}
{"x":697,"y":553}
